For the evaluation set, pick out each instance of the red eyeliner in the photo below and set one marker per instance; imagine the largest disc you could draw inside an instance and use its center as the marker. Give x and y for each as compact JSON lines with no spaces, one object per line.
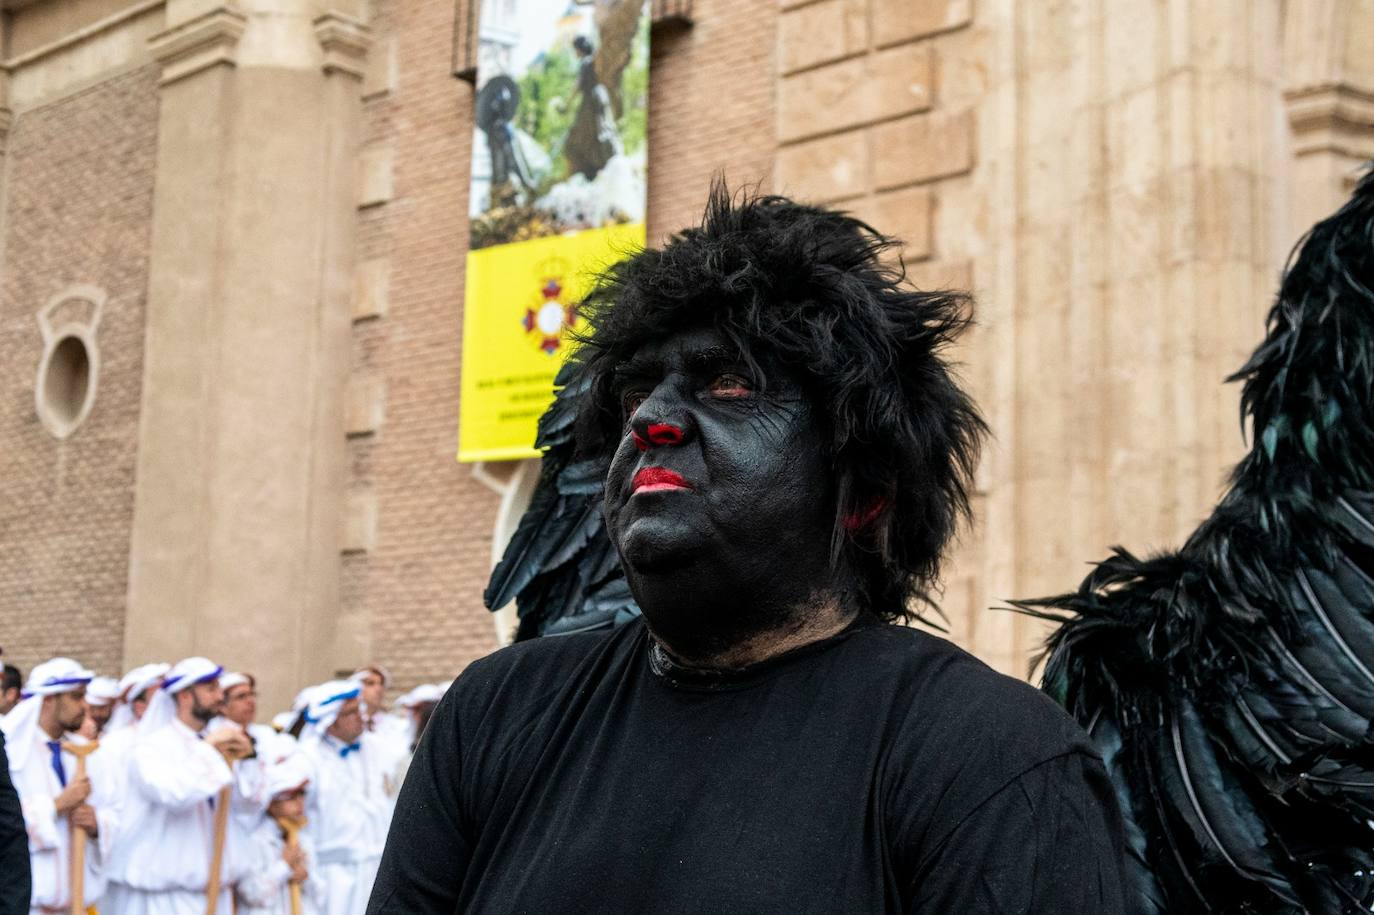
{"x":653,"y":479}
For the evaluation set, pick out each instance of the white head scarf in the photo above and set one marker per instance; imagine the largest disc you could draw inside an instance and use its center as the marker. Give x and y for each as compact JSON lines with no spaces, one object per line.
{"x":131,"y":685}
{"x":228,"y":681}
{"x":422,"y":694}
{"x":290,"y":772}
{"x":102,"y":691}
{"x":59,"y":675}
{"x":325,"y":702}
{"x":377,"y":669}
{"x":183,"y":674}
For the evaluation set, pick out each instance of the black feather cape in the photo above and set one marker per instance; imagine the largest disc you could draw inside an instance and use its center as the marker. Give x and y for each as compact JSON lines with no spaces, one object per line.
{"x":1230,"y":685}
{"x":560,"y":567}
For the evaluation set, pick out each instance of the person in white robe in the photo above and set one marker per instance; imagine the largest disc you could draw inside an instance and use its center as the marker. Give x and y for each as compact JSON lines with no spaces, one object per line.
{"x":273,"y":866}
{"x":240,"y":708}
{"x":349,"y":808}
{"x":136,"y":688}
{"x":375,"y":680}
{"x":54,"y":800}
{"x":418,"y":706}
{"x":390,"y":733}
{"x":102,"y":695}
{"x":175,"y":774}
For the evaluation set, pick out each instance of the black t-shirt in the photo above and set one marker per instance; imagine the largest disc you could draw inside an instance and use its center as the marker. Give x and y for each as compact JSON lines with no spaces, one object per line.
{"x":881,"y":770}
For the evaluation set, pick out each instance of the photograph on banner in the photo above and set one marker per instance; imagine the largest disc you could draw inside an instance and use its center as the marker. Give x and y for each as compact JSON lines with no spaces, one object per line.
{"x":561,"y":118}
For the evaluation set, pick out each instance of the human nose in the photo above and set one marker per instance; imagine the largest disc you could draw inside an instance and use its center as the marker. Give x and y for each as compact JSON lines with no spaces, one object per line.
{"x":661,"y":420}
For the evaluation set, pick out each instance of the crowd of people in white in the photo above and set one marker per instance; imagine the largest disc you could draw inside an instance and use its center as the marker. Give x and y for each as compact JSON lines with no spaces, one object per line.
{"x":159,"y":794}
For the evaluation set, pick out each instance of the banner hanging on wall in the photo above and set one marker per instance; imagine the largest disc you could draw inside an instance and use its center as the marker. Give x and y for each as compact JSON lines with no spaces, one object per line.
{"x":559,"y":158}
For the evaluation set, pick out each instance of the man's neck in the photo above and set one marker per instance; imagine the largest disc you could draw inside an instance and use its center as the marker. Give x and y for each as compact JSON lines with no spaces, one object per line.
{"x":51,"y":727}
{"x":817,"y":625}
{"x":191,"y":721}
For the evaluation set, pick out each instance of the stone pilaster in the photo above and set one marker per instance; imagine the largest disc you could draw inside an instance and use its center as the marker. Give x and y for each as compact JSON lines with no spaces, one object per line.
{"x":239,"y":515}
{"x":1329,"y":99}
{"x":1124,"y":229}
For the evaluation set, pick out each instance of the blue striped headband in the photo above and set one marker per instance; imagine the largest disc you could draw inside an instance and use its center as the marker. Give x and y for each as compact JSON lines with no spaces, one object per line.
{"x":169,"y":682}
{"x":337,"y":697}
{"x":57,"y":681}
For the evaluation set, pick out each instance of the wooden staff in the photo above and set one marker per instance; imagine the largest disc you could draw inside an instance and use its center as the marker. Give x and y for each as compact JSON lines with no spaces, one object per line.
{"x":217,"y":856}
{"x":78,"y":862}
{"x":290,"y":831}
{"x":221,"y":829}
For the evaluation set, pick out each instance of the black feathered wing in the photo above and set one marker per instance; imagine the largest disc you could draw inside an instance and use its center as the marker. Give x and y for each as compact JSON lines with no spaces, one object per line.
{"x":560,"y":567}
{"x":1230,"y":684}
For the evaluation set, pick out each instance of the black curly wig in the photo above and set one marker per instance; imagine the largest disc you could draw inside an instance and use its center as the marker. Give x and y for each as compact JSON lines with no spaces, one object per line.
{"x":804,"y":287}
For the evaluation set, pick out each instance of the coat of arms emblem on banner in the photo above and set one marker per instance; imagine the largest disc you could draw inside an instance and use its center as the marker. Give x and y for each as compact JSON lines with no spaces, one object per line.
{"x":549,"y":317}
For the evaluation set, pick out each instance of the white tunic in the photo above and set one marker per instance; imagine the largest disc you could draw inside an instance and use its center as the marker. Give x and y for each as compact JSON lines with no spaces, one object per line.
{"x":394,"y":726}
{"x":250,"y":775}
{"x":113,"y":755}
{"x":349,"y":811}
{"x":161,"y":864}
{"x":50,"y":834}
{"x":265,"y":889}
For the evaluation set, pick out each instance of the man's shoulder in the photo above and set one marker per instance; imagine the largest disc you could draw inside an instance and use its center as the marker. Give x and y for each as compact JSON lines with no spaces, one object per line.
{"x":961,"y":733}
{"x":114,"y":743}
{"x":955,"y":699}
{"x":165,"y":734}
{"x":542,"y":663}
{"x":311,"y":747}
{"x":151,"y":750}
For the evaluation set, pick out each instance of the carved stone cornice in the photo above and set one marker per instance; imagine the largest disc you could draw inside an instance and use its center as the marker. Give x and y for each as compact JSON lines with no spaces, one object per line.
{"x":207,"y":40}
{"x":1337,"y":117}
{"x":345,"y":41}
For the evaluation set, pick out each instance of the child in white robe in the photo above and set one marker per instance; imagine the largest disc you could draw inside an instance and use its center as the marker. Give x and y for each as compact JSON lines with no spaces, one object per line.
{"x":272,"y":866}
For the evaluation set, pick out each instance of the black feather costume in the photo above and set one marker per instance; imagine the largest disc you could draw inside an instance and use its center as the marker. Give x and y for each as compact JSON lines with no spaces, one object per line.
{"x":1230,"y":685}
{"x":560,"y":567}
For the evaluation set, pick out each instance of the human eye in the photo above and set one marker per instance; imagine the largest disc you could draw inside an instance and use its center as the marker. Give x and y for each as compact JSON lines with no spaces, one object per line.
{"x":630,"y":400}
{"x":730,"y":386}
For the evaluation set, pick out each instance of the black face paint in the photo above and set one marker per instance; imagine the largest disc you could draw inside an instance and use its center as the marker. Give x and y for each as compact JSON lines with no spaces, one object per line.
{"x":718,"y":498}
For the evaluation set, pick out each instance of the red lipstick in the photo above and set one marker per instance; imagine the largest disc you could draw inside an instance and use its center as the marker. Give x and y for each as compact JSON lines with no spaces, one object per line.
{"x":655,"y":479}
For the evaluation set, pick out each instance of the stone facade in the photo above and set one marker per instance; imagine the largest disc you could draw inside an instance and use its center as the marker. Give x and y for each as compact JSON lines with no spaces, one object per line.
{"x":270,"y":195}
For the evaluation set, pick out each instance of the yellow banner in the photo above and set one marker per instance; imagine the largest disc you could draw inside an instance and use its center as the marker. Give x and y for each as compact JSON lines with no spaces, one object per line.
{"x":519,"y":306}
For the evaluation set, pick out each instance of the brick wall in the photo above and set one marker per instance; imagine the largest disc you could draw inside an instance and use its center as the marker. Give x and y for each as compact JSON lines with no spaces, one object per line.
{"x":79,"y":178}
{"x":414,"y":582}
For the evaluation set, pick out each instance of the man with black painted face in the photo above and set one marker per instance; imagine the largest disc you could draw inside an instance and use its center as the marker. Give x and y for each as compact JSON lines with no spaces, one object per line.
{"x":789,"y":456}
{"x":716,"y":499}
